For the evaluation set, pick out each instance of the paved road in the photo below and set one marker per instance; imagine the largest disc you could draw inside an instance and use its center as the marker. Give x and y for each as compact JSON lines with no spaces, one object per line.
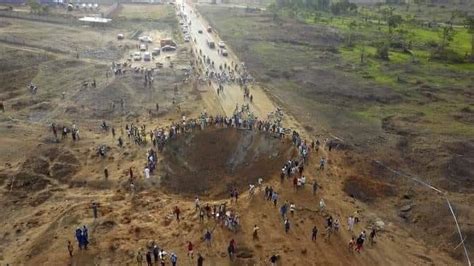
{"x":233,"y":94}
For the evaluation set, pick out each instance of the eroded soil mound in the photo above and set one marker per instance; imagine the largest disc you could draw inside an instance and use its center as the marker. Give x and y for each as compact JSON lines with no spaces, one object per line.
{"x":211,"y":162}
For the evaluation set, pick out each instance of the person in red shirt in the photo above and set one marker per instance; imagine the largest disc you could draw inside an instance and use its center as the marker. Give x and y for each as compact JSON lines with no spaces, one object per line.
{"x":190,"y":249}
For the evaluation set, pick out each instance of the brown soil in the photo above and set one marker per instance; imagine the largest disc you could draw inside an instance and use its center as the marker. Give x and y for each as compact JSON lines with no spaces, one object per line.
{"x":212,"y":162}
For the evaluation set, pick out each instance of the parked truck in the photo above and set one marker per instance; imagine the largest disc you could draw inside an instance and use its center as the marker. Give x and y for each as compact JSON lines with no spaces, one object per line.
{"x":165,"y":42}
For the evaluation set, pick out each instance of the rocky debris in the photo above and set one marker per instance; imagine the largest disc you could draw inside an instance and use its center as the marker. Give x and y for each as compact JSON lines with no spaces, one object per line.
{"x":244,"y":253}
{"x":406,"y":208}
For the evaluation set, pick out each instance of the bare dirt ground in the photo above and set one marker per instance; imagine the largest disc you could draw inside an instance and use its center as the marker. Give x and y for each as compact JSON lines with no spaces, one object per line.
{"x":47,"y":187}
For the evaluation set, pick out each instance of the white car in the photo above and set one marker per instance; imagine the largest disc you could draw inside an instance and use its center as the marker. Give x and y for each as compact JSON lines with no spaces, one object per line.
{"x":146,"y":56}
{"x":187,"y":39}
{"x":221,"y":44}
{"x":137,"y":56}
{"x":142,"y":47}
{"x":145,"y":39}
{"x":224,"y":53}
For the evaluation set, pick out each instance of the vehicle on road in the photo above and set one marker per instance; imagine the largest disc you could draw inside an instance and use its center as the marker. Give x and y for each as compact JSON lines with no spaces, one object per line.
{"x":224,"y":52}
{"x":120,"y":36}
{"x":146,"y":56}
{"x":211,"y":44}
{"x":137,"y":56}
{"x":200,"y":31}
{"x":209,"y":29}
{"x":221,"y":44}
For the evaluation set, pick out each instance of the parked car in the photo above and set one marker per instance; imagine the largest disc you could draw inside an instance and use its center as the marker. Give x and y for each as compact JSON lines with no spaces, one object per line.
{"x":187,"y":39}
{"x":168,"y":48}
{"x":200,"y":31}
{"x":142,"y":47}
{"x":221,"y":44}
{"x":224,"y":52}
{"x":211,"y":44}
{"x":156,"y":51}
{"x":137,"y":56}
{"x":146,"y":56}
{"x":145,"y":39}
{"x":120,"y":36}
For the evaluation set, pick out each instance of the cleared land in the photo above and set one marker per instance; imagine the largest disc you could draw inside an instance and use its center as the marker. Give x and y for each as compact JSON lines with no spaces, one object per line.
{"x":411,"y":112}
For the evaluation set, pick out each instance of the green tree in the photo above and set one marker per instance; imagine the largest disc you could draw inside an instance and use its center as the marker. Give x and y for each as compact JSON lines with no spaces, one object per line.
{"x":382,"y":51}
{"x":35,"y":7}
{"x":394,"y":21}
{"x":352,"y":27}
{"x":469,"y":24}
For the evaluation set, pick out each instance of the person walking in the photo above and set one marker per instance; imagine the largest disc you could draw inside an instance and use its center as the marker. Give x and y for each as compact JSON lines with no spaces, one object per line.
{"x":287,"y":225}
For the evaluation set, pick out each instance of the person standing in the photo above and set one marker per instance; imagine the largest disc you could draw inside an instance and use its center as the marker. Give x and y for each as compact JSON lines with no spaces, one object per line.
{"x":177,"y":212}
{"x":197,"y":203}
{"x":106,"y":173}
{"x":207,"y":237}
{"x":322,"y":205}
{"x":322,"y":162}
{"x":314,"y":233}
{"x":94,"y":209}
{"x":200,"y":260}
{"x":255,"y":232}
{"x":372,"y":235}
{"x":350,"y":223}
{"x":148,"y":259}
{"x":139,"y":258}
{"x":231,"y":251}
{"x":173,"y":259}
{"x":79,"y":238}
{"x":70,"y":248}
{"x":147,"y":172}
{"x":190,"y":250}
{"x":273,"y":259}
{"x":315,"y":187}
{"x":130,"y":171}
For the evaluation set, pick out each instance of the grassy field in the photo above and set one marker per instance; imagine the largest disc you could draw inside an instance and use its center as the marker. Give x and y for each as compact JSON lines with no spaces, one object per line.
{"x":146,"y":12}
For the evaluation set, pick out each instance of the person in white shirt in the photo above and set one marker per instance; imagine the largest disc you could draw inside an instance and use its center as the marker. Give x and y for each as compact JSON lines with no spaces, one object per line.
{"x":350,"y":223}
{"x":147,"y":173}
